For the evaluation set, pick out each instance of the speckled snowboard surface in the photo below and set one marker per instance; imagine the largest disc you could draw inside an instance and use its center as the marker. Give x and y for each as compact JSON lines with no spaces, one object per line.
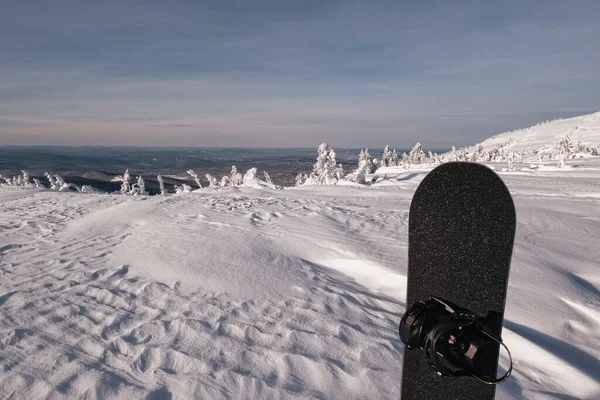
{"x":461,"y":234}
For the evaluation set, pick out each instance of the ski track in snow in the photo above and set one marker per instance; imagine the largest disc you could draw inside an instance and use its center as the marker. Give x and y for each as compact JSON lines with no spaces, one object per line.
{"x":270,"y":294}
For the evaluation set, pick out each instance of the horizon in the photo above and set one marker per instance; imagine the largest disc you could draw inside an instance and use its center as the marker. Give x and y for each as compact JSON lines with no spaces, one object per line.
{"x":287,"y":75}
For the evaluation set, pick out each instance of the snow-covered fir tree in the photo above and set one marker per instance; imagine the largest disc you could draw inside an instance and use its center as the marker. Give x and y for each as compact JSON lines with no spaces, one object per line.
{"x":126,"y":186}
{"x":453,"y":154}
{"x":267,"y":178}
{"x":225,"y":181}
{"x":301,"y":179}
{"x":394,"y":157}
{"x":325,"y":170}
{"x":138,"y":188}
{"x":87,"y":189}
{"x":161,"y":184}
{"x":183,"y":189}
{"x":50,"y":180}
{"x":386,"y":159}
{"x":212,"y":181}
{"x":235,"y":178}
{"x":250,"y":175}
{"x":195,"y":178}
{"x":416,"y":155}
{"x":25,"y":181}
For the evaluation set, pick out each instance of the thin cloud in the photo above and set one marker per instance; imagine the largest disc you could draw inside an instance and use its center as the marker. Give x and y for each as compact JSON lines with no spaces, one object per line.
{"x":350,"y":73}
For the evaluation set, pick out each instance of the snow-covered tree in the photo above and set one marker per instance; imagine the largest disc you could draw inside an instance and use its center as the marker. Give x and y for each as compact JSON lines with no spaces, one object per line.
{"x":235,"y":178}
{"x":267,"y":178}
{"x":138,"y":188}
{"x":87,"y":189}
{"x":325,"y":170}
{"x":250,"y":175}
{"x":25,"y":181}
{"x":225,"y":181}
{"x":50,"y":180}
{"x":301,"y":179}
{"x":126,"y":186}
{"x":37,"y":183}
{"x":386,"y":159}
{"x":195,"y":177}
{"x":453,"y":154}
{"x":60,"y":185}
{"x":364,"y":161}
{"x":511,"y":162}
{"x":212,"y":181}
{"x":416,"y":155}
{"x":183,"y":189}
{"x":161,"y":183}
{"x":394,"y":157}
{"x":376,"y":163}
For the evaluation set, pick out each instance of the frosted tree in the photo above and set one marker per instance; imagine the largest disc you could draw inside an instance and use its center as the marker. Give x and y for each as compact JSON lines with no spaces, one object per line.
{"x":212,"y":181}
{"x":25,"y":181}
{"x":301,"y":179}
{"x":394,"y":157}
{"x":386,"y":159}
{"x":453,"y":154}
{"x":404,"y":159}
{"x":361,"y":156}
{"x":183,"y":189}
{"x":364,"y":161}
{"x":480,"y":155}
{"x":139,"y":188}
{"x":325,"y":170}
{"x":250,"y":175}
{"x":161,"y":183}
{"x":225,"y":181}
{"x":126,"y":186}
{"x":235,"y":178}
{"x":511,"y":162}
{"x":51,"y":180}
{"x":195,"y":177}
{"x":57,"y":183}
{"x":561,"y":162}
{"x":416,"y":155}
{"x":37,"y":183}
{"x":267,"y":178}
{"x":364,"y":167}
{"x":60,"y":185}
{"x":563,"y":148}
{"x":87,"y":189}
{"x":376,"y":163}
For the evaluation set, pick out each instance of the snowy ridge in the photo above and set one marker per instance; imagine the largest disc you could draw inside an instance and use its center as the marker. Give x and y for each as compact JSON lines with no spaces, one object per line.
{"x":543,"y":136}
{"x":243,"y":293}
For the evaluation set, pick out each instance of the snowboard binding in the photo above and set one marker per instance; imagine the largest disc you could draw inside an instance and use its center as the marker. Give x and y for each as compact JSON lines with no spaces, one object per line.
{"x":455,"y":341}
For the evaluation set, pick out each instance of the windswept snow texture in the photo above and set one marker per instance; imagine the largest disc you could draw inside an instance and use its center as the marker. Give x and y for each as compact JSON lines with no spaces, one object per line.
{"x":296,"y":293}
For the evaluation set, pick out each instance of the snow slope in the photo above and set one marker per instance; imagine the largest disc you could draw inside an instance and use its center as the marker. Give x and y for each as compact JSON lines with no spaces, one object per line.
{"x":260,"y":293}
{"x":584,"y":129}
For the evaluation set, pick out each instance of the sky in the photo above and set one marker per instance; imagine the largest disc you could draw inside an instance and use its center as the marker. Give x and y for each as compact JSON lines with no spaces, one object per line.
{"x":278,"y":73}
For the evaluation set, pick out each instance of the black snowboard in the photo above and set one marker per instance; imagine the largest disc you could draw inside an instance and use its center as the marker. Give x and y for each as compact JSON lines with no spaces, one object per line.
{"x":461,"y":232}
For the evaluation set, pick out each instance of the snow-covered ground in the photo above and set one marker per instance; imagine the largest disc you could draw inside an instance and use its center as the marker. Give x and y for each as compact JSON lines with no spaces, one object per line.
{"x":261,"y":293}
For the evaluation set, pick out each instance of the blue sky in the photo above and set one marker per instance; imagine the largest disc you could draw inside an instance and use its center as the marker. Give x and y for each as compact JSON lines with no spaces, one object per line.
{"x":283,"y":73}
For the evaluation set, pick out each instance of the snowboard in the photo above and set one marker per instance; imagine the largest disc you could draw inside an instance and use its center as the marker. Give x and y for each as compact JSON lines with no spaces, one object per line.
{"x":461,"y":233}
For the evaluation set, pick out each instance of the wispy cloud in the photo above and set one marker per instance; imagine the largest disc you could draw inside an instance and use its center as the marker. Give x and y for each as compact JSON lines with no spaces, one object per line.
{"x":291,"y":73}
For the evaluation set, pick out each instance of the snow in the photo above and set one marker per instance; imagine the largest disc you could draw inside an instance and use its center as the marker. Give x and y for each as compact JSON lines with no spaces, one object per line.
{"x":246,"y":293}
